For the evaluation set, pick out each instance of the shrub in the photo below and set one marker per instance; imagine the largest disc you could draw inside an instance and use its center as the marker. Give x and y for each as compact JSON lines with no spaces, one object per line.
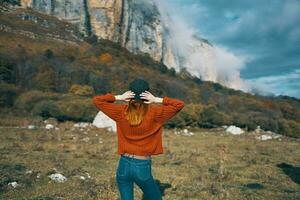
{"x":76,"y":109}
{"x":49,"y":54}
{"x":46,"y":109}
{"x":7,"y":72}
{"x":27,"y":100}
{"x":105,"y":57}
{"x":210,"y":117}
{"x":8,"y":94}
{"x":289,"y":128}
{"x":81,"y":90}
{"x":45,"y":80}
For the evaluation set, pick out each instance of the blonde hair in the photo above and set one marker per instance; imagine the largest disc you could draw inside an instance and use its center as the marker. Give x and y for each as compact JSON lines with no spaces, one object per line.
{"x":136,"y":111}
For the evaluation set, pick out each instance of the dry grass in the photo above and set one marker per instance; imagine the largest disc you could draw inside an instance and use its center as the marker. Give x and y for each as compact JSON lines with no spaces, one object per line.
{"x":208,"y":165}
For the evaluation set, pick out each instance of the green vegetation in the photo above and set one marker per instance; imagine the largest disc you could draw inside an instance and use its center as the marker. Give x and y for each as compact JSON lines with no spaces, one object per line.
{"x":47,"y":77}
{"x":208,"y":165}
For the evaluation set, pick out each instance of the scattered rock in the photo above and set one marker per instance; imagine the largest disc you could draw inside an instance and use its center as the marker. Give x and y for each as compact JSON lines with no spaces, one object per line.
{"x":31,"y":127}
{"x":51,"y":120}
{"x":184,"y":132}
{"x":269,"y":136}
{"x":258,"y":129}
{"x":86,"y":139}
{"x":234,"y":130}
{"x":13,"y":184}
{"x":82,"y":177}
{"x":58,"y":177}
{"x":87,"y":175}
{"x":82,"y":125}
{"x":49,"y":126}
{"x":264,"y":137}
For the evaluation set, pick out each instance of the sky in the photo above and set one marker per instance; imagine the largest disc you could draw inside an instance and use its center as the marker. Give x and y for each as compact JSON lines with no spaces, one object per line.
{"x":266,"y":32}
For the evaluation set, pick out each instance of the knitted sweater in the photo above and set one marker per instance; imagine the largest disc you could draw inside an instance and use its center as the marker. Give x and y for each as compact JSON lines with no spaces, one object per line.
{"x":146,"y":138}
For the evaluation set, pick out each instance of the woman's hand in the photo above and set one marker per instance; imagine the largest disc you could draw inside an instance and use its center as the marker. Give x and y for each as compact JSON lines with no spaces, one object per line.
{"x":150,"y":97}
{"x":126,"y":96}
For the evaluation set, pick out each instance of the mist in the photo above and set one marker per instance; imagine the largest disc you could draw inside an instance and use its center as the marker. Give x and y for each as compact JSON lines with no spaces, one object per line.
{"x":210,"y":62}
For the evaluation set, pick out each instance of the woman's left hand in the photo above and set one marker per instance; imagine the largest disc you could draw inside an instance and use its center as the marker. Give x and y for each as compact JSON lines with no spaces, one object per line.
{"x":126,"y":96}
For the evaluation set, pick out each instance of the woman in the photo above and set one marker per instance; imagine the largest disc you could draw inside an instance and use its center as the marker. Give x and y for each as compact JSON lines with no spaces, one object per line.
{"x":139,"y":132}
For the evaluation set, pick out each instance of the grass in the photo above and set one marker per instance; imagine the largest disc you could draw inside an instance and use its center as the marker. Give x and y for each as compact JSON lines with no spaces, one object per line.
{"x":208,"y":165}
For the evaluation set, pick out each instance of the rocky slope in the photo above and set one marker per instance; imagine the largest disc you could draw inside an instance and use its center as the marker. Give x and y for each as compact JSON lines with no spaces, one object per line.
{"x":144,"y":26}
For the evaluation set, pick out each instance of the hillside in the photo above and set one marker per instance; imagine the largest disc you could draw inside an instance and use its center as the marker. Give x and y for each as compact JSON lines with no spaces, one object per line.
{"x":49,"y":69}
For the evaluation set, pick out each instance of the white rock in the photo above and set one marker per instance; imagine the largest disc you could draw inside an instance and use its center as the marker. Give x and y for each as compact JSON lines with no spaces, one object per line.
{"x":31,"y":127}
{"x":234,"y":130}
{"x":258,"y":129}
{"x":58,"y":177}
{"x":264,"y":137}
{"x":28,"y":172}
{"x":103,"y":121}
{"x":13,"y":184}
{"x":88,"y":175}
{"x":184,"y":132}
{"x":86,"y":139}
{"x":277,"y":136}
{"x":49,"y":126}
{"x":82,"y":124}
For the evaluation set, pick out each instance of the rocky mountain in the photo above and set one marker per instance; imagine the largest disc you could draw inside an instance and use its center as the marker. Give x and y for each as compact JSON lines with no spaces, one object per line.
{"x":144,"y":26}
{"x":135,"y":24}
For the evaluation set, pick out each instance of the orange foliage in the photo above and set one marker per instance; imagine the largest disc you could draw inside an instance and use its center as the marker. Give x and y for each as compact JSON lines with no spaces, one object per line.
{"x":105,"y":57}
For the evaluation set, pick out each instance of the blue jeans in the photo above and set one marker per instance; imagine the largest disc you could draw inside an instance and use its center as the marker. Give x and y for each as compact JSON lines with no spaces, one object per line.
{"x":133,"y":170}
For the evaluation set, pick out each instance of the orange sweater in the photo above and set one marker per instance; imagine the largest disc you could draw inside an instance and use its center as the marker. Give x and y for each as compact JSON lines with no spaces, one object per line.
{"x":146,"y":138}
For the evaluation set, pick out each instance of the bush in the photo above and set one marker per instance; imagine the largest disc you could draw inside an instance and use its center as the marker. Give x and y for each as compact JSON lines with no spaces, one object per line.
{"x":27,"y":100}
{"x":210,"y":117}
{"x":8,"y":94}
{"x":289,"y":128}
{"x":76,"y":109}
{"x":46,"y":109}
{"x":45,"y":80}
{"x":105,"y":57}
{"x":7,"y":72}
{"x":49,"y":54}
{"x":82,"y":90}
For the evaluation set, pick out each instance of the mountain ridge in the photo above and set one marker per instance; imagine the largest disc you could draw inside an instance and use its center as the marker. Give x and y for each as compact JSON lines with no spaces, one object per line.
{"x":54,"y":66}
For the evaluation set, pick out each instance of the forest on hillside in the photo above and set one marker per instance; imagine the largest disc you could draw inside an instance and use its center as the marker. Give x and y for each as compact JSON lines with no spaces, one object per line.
{"x":52,"y":77}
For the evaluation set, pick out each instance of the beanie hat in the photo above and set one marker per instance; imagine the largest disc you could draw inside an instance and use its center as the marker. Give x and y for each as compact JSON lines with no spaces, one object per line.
{"x":138,"y":86}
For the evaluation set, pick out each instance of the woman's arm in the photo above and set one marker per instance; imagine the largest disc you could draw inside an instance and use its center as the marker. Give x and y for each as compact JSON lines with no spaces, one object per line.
{"x":170,"y":107}
{"x":106,"y":104}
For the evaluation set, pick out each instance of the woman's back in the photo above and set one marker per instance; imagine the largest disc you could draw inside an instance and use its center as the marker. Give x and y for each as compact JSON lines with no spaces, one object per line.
{"x":145,"y":138}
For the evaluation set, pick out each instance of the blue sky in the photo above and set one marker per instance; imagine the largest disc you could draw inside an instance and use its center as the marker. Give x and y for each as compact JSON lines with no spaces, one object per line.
{"x":267,"y":31}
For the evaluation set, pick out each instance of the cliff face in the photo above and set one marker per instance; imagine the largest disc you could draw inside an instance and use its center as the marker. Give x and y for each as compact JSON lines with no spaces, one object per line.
{"x":135,"y":24}
{"x":144,"y":26}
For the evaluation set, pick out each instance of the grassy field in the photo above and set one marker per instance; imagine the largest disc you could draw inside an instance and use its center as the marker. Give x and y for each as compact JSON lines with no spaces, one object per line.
{"x":208,"y":165}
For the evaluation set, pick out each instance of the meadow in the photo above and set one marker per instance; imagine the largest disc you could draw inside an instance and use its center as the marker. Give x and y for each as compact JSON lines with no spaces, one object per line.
{"x":211,"y":164}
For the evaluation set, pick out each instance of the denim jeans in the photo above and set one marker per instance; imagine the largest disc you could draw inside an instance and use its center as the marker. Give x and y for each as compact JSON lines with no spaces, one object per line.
{"x":133,"y":170}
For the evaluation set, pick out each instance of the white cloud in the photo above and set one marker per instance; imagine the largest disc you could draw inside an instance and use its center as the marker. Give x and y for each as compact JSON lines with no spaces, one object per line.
{"x":286,"y":84}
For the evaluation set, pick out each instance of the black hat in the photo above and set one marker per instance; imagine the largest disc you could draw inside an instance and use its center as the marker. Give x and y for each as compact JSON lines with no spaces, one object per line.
{"x":138,"y":86}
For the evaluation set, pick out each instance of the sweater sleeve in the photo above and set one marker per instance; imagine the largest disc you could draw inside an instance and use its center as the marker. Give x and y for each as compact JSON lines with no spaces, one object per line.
{"x":106,"y":104}
{"x":169,"y":108}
